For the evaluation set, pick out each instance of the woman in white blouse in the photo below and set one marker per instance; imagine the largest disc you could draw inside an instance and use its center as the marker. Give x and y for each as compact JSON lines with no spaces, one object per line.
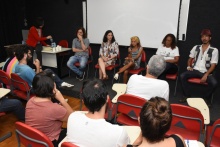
{"x":170,"y":52}
{"x":108,"y":53}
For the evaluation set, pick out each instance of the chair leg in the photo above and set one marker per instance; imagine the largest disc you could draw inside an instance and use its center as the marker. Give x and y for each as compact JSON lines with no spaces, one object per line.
{"x":5,"y":136}
{"x":176,"y":86}
{"x":87,"y":72}
{"x":95,"y":72}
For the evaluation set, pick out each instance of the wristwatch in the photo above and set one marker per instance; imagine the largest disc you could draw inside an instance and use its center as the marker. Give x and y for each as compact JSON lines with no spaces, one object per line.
{"x":188,"y":67}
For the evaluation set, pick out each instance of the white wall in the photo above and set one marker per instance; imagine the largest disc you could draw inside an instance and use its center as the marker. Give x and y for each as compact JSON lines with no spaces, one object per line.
{"x":150,"y":20}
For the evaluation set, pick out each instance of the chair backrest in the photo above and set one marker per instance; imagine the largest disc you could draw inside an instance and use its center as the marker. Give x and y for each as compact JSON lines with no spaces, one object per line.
{"x":29,"y":136}
{"x":189,"y":117}
{"x":215,"y":134}
{"x":5,"y":78}
{"x":143,"y":56}
{"x":68,"y":144}
{"x":19,"y":83}
{"x":63,"y":43}
{"x":130,"y":105}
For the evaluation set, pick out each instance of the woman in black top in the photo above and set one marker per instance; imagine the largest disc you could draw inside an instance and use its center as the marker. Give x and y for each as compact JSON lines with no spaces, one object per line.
{"x":155,"y":120}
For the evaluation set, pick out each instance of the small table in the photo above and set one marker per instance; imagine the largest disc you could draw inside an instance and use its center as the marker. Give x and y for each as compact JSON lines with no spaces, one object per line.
{"x":56,"y":60}
{"x":3,"y":92}
{"x":120,"y":89}
{"x":2,"y":64}
{"x":200,"y":104}
{"x":133,"y":132}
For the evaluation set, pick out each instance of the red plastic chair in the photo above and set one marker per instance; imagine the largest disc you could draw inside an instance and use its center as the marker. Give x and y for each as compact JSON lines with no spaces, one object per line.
{"x":213,"y":135}
{"x":29,"y":136}
{"x":2,"y":138}
{"x":5,"y":79}
{"x":186,"y":121}
{"x":88,"y":62}
{"x":68,"y":144}
{"x":143,"y":60}
{"x":63,"y":43}
{"x":174,"y":77}
{"x":110,"y":67}
{"x":128,"y":109}
{"x":197,"y":81}
{"x":20,"y":87}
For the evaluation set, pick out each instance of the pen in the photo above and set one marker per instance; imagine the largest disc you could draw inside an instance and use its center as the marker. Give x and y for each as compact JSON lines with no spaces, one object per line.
{"x":187,"y":143}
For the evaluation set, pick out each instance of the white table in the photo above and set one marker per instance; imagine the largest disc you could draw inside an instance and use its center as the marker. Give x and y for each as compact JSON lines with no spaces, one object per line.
{"x":120,"y":89}
{"x":55,"y":59}
{"x":3,"y":92}
{"x":200,"y":104}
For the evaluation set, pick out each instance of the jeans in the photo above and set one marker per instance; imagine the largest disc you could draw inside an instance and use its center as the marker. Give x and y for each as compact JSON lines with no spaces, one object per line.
{"x":57,"y":80}
{"x":82,"y":61}
{"x":12,"y":105}
{"x":212,"y":82}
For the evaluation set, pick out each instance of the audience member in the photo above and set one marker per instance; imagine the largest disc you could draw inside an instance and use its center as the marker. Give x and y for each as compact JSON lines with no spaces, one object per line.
{"x":35,"y":37}
{"x":12,"y":105}
{"x":80,"y":47}
{"x":11,"y":61}
{"x":133,"y":60}
{"x":201,"y":64}
{"x":149,"y":86}
{"x":23,"y":54}
{"x":108,"y":53}
{"x":170,"y":52}
{"x":91,"y":129}
{"x":155,"y":120}
{"x":42,"y":113}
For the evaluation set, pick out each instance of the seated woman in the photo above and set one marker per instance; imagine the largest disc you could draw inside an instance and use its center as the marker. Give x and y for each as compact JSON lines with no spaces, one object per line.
{"x":42,"y":113}
{"x":108,"y":53}
{"x":170,"y":51}
{"x":155,"y":120}
{"x":133,"y":60}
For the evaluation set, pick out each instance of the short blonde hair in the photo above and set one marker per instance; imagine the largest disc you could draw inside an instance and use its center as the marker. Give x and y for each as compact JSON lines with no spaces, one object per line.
{"x":136,"y":38}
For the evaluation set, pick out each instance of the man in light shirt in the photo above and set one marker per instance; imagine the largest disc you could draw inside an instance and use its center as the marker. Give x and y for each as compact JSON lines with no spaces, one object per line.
{"x":205,"y":59}
{"x":149,"y":86}
{"x":91,"y":129}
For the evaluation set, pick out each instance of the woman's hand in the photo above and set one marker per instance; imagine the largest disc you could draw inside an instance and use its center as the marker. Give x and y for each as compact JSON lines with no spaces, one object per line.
{"x":49,"y":37}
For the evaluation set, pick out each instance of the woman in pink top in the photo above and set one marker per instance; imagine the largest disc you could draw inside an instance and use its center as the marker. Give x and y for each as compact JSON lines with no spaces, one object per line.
{"x":42,"y":113}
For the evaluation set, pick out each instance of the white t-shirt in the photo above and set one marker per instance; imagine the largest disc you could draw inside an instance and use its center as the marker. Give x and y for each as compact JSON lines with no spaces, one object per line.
{"x":86,"y":132}
{"x":147,"y":87}
{"x":168,"y":53}
{"x":201,"y":61}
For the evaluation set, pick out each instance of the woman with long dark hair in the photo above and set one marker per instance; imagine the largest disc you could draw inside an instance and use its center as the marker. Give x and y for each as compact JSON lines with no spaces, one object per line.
{"x":108,"y":53}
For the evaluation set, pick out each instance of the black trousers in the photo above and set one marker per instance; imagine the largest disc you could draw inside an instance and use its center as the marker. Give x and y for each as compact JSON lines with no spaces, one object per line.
{"x":38,"y":50}
{"x":212,"y":83}
{"x":170,"y":69}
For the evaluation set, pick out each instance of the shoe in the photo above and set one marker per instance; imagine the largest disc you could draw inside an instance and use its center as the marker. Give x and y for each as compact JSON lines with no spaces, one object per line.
{"x":183,"y":100}
{"x":66,"y":84}
{"x":77,"y":77}
{"x":116,"y":76}
{"x":82,"y":77}
{"x":67,"y":88}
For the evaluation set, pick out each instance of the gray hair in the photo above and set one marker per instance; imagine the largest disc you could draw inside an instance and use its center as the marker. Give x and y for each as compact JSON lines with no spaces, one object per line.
{"x":156,"y":65}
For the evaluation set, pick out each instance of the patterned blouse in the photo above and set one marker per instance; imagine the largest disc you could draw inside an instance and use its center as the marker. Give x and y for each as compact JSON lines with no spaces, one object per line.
{"x":109,"y":50}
